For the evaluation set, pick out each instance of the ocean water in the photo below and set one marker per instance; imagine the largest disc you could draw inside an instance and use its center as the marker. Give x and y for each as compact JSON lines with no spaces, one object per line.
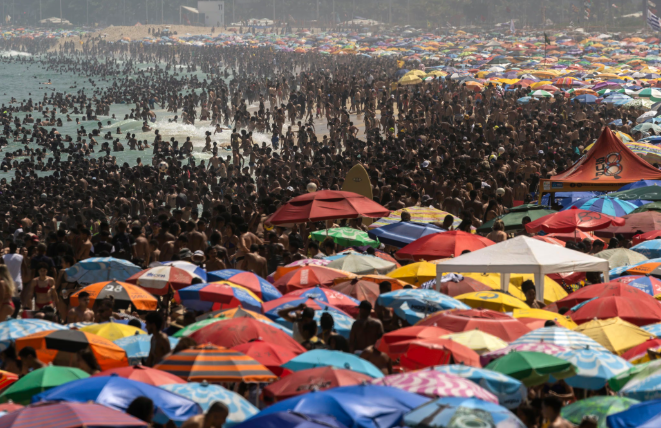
{"x":23,"y":81}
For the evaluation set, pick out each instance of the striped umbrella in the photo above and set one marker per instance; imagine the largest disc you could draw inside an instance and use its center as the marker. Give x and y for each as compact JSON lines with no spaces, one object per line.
{"x":68,"y":415}
{"x":545,"y":348}
{"x":610,"y":206}
{"x":561,"y":337}
{"x":13,"y":329}
{"x":418,"y":215}
{"x":593,"y":368}
{"x":98,"y":269}
{"x":219,"y":295}
{"x":649,"y":152}
{"x":6,"y":379}
{"x":125,"y":294}
{"x":650,"y":249}
{"x":187,"y":266}
{"x":159,"y":280}
{"x":215,"y":364}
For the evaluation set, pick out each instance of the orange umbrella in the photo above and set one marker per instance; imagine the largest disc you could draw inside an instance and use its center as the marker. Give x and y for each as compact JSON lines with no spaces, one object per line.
{"x":427,"y":353}
{"x":360,"y":290}
{"x":54,"y":344}
{"x":215,"y":364}
{"x":395,"y":342}
{"x":125,"y":294}
{"x":6,"y":379}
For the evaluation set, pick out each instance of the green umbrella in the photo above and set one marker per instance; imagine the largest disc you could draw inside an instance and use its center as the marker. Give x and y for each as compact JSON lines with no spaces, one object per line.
{"x":513,"y":219}
{"x":38,"y":381}
{"x":654,"y":206}
{"x":190,"y":329}
{"x":647,"y":193}
{"x":345,"y":236}
{"x":638,"y":371}
{"x":600,"y":406}
{"x":532,"y":368}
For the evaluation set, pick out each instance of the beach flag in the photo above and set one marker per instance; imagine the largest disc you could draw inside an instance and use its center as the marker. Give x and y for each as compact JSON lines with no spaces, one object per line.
{"x":512,"y":26}
{"x":653,"y":21}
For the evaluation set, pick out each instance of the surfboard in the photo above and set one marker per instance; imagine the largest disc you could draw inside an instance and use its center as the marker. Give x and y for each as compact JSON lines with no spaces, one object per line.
{"x":358,"y":181}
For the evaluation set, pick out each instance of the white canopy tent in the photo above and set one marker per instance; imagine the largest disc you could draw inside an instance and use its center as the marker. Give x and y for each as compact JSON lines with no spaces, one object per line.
{"x":523,"y":255}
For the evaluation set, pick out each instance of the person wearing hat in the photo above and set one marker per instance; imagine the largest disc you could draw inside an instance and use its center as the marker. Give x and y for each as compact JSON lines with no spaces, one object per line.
{"x":198,"y":257}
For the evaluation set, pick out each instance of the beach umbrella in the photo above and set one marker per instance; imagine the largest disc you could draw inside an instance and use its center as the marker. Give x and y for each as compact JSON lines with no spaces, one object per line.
{"x":324,"y":358}
{"x":654,"y":329}
{"x":113,"y":331}
{"x":316,"y":379}
{"x":649,"y":152}
{"x":345,"y":236}
{"x":40,"y":380}
{"x":647,"y":284}
{"x":395,"y":342}
{"x":606,"y":289}
{"x":233,"y":332}
{"x":492,"y":300}
{"x":326,"y":205}
{"x":49,"y":344}
{"x":509,"y":391}
{"x":272,"y":308}
{"x":409,"y":80}
{"x":443,"y":245}
{"x":541,"y":94}
{"x":190,"y":329}
{"x":229,"y":314}
{"x":542,"y":347}
{"x":143,"y":374}
{"x":6,"y":379}
{"x":359,"y":290}
{"x":403,"y":233}
{"x":419,"y":354}
{"x":498,"y":324}
{"x":326,"y":295}
{"x":621,"y":257}
{"x":271,"y":355}
{"x":161,"y":279}
{"x":387,"y":405}
{"x":514,"y":217}
{"x":599,"y":406}
{"x":540,"y":316}
{"x":205,"y":395}
{"x":293,"y":266}
{"x":418,"y":215}
{"x":571,"y":220}
{"x":69,"y":415}
{"x":99,"y":269}
{"x":117,"y":393}
{"x":643,"y":389}
{"x":593,"y":368}
{"x":218,"y":295}
{"x":395,"y":284}
{"x":308,"y":276}
{"x":445,"y":412}
{"x":586,"y":99}
{"x":645,"y":193}
{"x":614,"y":334}
{"x":644,"y":117}
{"x":524,"y":100}
{"x":258,"y":285}
{"x":636,"y":311}
{"x":610,"y":206}
{"x":137,"y":347}
{"x":125,"y":295}
{"x":651,"y":206}
{"x":638,"y":354}
{"x":436,"y":384}
{"x":415,"y":273}
{"x":647,"y":127}
{"x":415,"y":304}
{"x":559,"y":336}
{"x":650,"y":249}
{"x":292,"y":420}
{"x":341,"y":323}
{"x":362,"y":264}
{"x":638,"y":371}
{"x":477,"y":340}
{"x":640,"y":183}
{"x":10,"y":407}
{"x":214,"y":364}
{"x":532,"y":368}
{"x":456,"y":285}
{"x":13,"y":329}
{"x":192,"y":268}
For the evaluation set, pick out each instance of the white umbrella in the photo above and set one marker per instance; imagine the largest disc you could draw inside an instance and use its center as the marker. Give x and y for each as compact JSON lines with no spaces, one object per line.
{"x":647,"y":115}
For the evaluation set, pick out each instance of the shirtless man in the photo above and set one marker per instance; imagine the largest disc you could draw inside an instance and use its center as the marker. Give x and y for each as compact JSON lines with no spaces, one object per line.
{"x":253,"y":262}
{"x":366,"y":330}
{"x":82,"y":312}
{"x":214,"y":418}
{"x":197,"y":238}
{"x":141,"y":248}
{"x":86,"y":246}
{"x":160,"y":345}
{"x":246,"y":240}
{"x":380,"y":359}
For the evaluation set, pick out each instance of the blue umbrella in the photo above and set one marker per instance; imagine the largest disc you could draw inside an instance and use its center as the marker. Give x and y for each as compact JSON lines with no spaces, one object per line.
{"x":273,"y":313}
{"x":642,"y":183}
{"x":12,"y":329}
{"x":510,"y":392}
{"x":415,"y":304}
{"x":360,"y":406}
{"x":593,"y":368}
{"x":650,"y":249}
{"x":205,"y":395}
{"x":241,"y":277}
{"x":451,"y":412}
{"x":342,"y":323}
{"x":118,"y":392}
{"x":643,"y":415}
{"x":325,"y":358}
{"x":402,"y":233}
{"x":618,"y":271}
{"x":98,"y":269}
{"x":138,"y":346}
{"x":566,"y":199}
{"x":617,"y":99}
{"x":291,"y":419}
{"x":586,"y":99}
{"x":524,"y":100}
{"x":610,"y":206}
{"x":202,"y":297}
{"x":654,"y":329}
{"x":643,"y":389}
{"x":644,"y":283}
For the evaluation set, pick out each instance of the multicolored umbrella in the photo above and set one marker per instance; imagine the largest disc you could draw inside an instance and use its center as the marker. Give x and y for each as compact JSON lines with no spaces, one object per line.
{"x":345,"y":236}
{"x":418,"y":215}
{"x":125,"y":295}
{"x":38,"y":381}
{"x":545,"y":348}
{"x":653,"y":329}
{"x":68,"y":415}
{"x":325,"y":358}
{"x":639,"y":354}
{"x":13,"y":329}
{"x":414,"y":305}
{"x":215,"y":364}
{"x":205,"y":395}
{"x":610,"y":206}
{"x":258,"y":285}
{"x":184,"y":265}
{"x":272,"y":308}
{"x":232,"y":332}
{"x":341,"y":323}
{"x":443,"y":412}
{"x":649,"y":152}
{"x":593,"y":368}
{"x":509,"y":391}
{"x":143,"y":374}
{"x":600,"y":406}
{"x":334,"y":298}
{"x":316,"y":379}
{"x":559,"y":336}
{"x":643,"y":388}
{"x":638,"y":371}
{"x":648,"y":284}
{"x":219,"y":295}
{"x":650,"y":249}
{"x":137,"y":347}
{"x":435,"y":384}
{"x":99,"y":269}
{"x":6,"y":379}
{"x":161,"y":280}
{"x":403,"y":233}
{"x":532,"y":368}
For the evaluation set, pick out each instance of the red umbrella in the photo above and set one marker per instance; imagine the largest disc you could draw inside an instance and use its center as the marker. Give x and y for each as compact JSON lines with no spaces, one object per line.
{"x":10,"y":407}
{"x":334,"y":298}
{"x":466,"y":285}
{"x":307,"y":277}
{"x":317,"y":379}
{"x":427,"y":353}
{"x":644,"y":280}
{"x":645,"y":221}
{"x":492,"y":322}
{"x":571,"y":220}
{"x":443,"y":245}
{"x":598,"y":290}
{"x":327,"y":205}
{"x":359,"y":290}
{"x":548,"y":240}
{"x":235,"y":331}
{"x":390,"y":342}
{"x":636,"y":311}
{"x":270,"y":355}
{"x":68,"y":415}
{"x":576,"y":236}
{"x":143,"y":374}
{"x":642,"y":237}
{"x":640,"y":352}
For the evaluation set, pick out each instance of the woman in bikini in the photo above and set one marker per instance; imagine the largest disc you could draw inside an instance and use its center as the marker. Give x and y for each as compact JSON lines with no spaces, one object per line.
{"x":41,"y":287}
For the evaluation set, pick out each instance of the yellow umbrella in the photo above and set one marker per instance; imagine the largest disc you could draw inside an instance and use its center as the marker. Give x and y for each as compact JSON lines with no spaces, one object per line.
{"x":415,"y":273}
{"x":418,"y":73}
{"x":614,"y":334}
{"x":552,"y":290}
{"x":478,"y":341}
{"x":608,"y":76}
{"x":540,"y":84}
{"x":541,"y":314}
{"x":410,"y":79}
{"x":493,"y":300}
{"x":112,"y":331}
